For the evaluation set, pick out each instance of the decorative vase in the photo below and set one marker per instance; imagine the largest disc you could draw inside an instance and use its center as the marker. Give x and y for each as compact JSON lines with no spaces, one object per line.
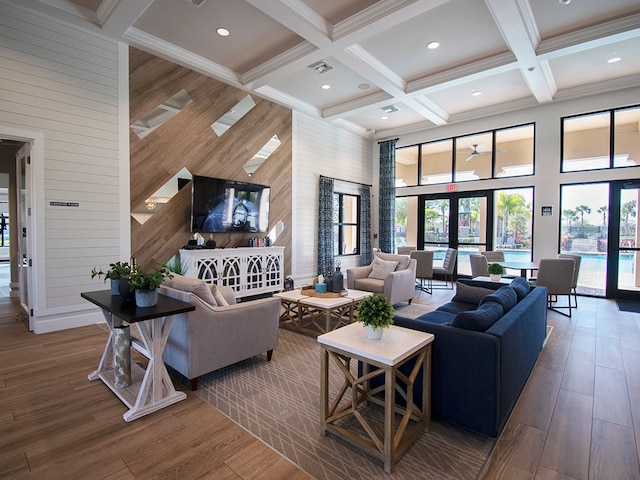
{"x":373,"y":333}
{"x":495,"y":277}
{"x":125,"y":290}
{"x":114,"y":286}
{"x":146,"y":298}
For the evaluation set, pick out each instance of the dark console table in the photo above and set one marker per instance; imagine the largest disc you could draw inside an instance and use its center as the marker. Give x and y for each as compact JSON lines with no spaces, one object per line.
{"x":151,"y":389}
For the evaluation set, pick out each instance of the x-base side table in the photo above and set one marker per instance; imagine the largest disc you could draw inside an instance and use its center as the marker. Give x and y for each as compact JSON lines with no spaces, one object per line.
{"x":380,"y":357}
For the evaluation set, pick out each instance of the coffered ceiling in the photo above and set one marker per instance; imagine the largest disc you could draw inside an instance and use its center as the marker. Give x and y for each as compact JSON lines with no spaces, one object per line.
{"x":512,"y":53}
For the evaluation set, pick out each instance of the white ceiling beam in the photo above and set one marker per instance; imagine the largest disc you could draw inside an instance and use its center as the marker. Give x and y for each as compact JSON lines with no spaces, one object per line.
{"x":121,"y":16}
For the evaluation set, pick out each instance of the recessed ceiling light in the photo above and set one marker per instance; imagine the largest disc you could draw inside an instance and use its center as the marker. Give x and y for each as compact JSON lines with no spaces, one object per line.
{"x":223,"y":32}
{"x":433,"y":45}
{"x":475,"y":93}
{"x":614,"y":59}
{"x":326,"y":86}
{"x":364,"y":86}
{"x":384,"y":117}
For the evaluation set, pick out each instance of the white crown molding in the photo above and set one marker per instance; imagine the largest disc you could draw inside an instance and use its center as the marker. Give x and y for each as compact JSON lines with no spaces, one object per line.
{"x":169,"y":51}
{"x":281,"y":65}
{"x":288,"y":101}
{"x":376,"y":99}
{"x":622,"y":83}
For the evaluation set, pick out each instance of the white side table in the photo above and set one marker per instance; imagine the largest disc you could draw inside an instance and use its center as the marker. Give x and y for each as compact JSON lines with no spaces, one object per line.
{"x":380,"y":357}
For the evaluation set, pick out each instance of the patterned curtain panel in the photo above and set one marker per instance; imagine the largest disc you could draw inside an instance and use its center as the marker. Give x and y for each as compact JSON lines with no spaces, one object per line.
{"x":325,"y":226}
{"x":365,"y":225}
{"x":387,"y":207}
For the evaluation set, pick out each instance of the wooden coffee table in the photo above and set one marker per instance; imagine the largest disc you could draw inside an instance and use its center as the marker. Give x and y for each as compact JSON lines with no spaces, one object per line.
{"x":380,"y":357}
{"x":317,"y":315}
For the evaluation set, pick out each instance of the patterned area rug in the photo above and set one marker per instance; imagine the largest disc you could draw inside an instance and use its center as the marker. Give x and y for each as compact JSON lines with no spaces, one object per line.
{"x":279,"y":402}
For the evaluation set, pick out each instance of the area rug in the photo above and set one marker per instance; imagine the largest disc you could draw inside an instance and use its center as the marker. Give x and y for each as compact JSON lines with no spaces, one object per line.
{"x":279,"y":402}
{"x":633,"y":307}
{"x":412,"y":310}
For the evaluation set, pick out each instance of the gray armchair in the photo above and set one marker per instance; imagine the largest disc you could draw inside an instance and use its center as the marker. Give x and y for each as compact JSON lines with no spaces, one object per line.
{"x":557,"y":275}
{"x":405,"y":250}
{"x":212,"y":337}
{"x":448,"y":266}
{"x":576,"y":273}
{"x":397,"y":286}
{"x":479,"y":265}
{"x":424,"y":269}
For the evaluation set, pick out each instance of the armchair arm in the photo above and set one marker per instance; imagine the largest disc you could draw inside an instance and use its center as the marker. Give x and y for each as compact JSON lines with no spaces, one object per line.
{"x":354,"y":273}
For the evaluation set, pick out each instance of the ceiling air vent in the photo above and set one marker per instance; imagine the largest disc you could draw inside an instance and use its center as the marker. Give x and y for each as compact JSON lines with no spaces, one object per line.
{"x":321,"y":67}
{"x":197,"y":3}
{"x":390,"y":109}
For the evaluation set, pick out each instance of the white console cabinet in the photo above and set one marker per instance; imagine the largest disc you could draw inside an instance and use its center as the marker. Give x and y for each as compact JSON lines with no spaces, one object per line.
{"x":248,"y":270}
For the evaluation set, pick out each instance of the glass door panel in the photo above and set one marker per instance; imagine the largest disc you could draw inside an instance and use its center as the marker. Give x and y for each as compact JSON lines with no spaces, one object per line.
{"x":627,"y":248}
{"x":584,"y":213}
{"x":472,"y":230}
{"x":436,"y":227}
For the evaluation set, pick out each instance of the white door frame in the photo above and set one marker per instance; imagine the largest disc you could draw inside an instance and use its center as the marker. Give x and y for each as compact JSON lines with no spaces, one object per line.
{"x":34,"y":183}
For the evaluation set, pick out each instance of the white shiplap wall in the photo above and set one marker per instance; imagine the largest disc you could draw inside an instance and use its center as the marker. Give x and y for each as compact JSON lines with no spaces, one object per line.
{"x":320,"y":148}
{"x":63,"y":82}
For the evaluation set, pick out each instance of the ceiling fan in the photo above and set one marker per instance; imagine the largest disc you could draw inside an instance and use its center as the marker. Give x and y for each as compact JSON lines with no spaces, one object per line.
{"x":475,"y":152}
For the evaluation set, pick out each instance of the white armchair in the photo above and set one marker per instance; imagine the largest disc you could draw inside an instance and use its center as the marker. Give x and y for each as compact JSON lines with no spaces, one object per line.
{"x":396,"y":283}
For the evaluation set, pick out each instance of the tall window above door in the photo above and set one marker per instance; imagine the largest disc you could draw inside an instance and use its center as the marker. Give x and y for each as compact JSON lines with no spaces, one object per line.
{"x":601,"y":140}
{"x":505,"y":152}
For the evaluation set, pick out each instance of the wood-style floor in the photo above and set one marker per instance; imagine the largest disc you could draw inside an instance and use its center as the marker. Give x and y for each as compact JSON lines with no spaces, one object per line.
{"x":578,"y":417}
{"x":55,"y":424}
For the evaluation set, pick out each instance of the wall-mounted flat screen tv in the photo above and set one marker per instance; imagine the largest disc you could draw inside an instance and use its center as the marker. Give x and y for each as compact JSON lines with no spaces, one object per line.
{"x":219,"y":205}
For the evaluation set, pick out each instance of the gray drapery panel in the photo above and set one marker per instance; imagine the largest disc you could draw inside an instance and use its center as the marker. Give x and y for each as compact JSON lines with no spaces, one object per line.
{"x":365,"y":225}
{"x":325,"y":226}
{"x":387,"y":206}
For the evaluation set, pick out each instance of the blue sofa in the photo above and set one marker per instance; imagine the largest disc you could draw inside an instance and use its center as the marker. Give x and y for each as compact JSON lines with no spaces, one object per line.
{"x":480,"y":365}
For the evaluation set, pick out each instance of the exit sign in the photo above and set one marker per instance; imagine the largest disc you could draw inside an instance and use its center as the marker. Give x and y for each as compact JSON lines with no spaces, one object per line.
{"x":451,"y":187}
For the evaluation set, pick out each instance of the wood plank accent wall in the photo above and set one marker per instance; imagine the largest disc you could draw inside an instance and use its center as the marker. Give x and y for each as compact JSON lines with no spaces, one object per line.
{"x":187,"y":140}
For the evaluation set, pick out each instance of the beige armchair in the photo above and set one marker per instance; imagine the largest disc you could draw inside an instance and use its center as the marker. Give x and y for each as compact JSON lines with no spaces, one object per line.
{"x":397,"y":283}
{"x":406,"y":250}
{"x":557,"y":275}
{"x":212,"y":337}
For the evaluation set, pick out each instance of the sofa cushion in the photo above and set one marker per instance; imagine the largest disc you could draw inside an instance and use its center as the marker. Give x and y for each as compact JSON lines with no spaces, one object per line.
{"x":480,"y":319}
{"x":381,"y":268}
{"x":456,"y":307}
{"x":470,"y":294}
{"x":194,"y":285}
{"x":403,"y":260}
{"x":505,"y":296}
{"x":367,"y":284}
{"x":521,"y":287}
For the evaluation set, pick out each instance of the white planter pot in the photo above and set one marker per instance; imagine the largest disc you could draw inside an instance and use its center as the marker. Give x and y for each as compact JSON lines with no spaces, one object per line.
{"x":146,"y":298}
{"x":373,"y":334}
{"x":495,"y":277}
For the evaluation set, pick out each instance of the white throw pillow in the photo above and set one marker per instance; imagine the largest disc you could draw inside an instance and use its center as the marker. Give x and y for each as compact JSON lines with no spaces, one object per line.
{"x":382,"y":268}
{"x":220,"y":300}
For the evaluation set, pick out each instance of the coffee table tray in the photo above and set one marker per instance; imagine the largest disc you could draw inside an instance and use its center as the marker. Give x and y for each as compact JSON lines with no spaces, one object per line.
{"x":311,"y":292}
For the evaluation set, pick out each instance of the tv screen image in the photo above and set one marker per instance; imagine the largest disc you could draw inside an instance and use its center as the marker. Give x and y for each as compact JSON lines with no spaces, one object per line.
{"x":220,"y":205}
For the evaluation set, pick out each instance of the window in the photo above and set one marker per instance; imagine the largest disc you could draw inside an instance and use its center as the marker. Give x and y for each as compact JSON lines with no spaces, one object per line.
{"x":601,"y":140}
{"x":513,"y":225}
{"x":346,"y":224}
{"x":505,"y":152}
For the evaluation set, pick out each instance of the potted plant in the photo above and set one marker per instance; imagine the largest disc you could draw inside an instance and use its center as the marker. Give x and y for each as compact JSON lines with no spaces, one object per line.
{"x":376,"y":313}
{"x":495,"y":271}
{"x":146,"y":285}
{"x":116,"y":272}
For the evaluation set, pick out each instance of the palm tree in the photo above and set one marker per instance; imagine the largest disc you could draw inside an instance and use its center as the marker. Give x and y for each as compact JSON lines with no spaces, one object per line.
{"x":628,"y":210}
{"x":582,"y":209}
{"x":570,"y":216}
{"x":603,"y":210}
{"x":508,"y":204}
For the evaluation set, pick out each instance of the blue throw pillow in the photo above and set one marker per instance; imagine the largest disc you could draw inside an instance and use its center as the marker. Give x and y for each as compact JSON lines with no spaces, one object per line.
{"x":480,"y":319}
{"x":521,"y":286}
{"x":505,"y":296}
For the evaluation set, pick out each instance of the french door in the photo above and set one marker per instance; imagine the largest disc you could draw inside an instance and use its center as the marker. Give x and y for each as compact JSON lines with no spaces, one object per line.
{"x":623,"y":280}
{"x":457,"y":220}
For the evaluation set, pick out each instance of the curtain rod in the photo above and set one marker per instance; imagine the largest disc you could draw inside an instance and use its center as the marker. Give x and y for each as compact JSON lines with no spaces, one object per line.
{"x":396,"y":139}
{"x":346,"y":181}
